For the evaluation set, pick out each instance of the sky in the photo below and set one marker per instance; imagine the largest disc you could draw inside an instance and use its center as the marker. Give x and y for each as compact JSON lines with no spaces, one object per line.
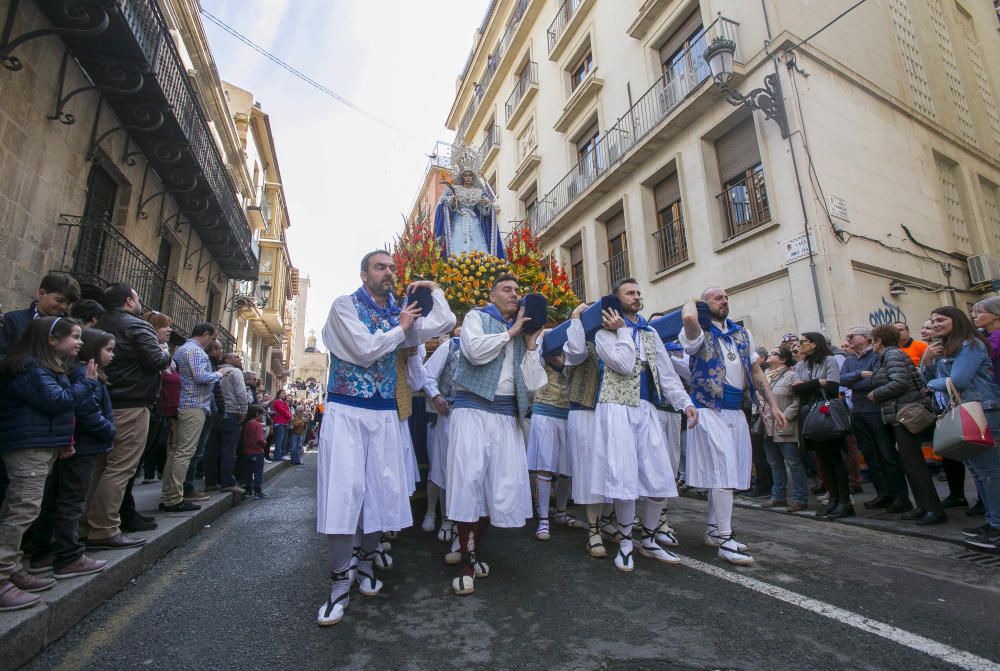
{"x":347,"y":178}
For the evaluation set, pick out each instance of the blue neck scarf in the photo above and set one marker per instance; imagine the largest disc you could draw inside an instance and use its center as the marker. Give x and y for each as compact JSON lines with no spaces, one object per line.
{"x":492,"y":311}
{"x":640,"y":324}
{"x":390,"y":313}
{"x":727,"y":335}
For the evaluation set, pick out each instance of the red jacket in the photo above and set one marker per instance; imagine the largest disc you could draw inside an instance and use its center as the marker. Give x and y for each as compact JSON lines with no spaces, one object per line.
{"x":253,"y":437}
{"x":282,"y":415}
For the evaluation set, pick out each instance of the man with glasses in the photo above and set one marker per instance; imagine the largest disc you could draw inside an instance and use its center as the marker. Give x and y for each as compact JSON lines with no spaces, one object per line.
{"x":884,"y":467}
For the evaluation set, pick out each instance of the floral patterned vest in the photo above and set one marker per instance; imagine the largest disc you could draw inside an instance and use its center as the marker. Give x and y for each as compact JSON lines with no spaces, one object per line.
{"x":708,"y":369}
{"x":350,"y":379}
{"x":554,"y":393}
{"x":583,"y":381}
{"x":626,"y":389}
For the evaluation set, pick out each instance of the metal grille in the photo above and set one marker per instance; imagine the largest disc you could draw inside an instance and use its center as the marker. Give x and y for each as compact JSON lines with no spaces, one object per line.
{"x":184,"y":310}
{"x":979,"y":558}
{"x":951,"y":71}
{"x":671,"y":244}
{"x":617,"y":267}
{"x":491,"y":140}
{"x":953,"y":206}
{"x":653,"y":106}
{"x":563,"y":16}
{"x":224,"y":336}
{"x":576,"y":284}
{"x":902,"y":26}
{"x":527,"y":78}
{"x":745,"y":204}
{"x":982,"y":79}
{"x":95,"y":253}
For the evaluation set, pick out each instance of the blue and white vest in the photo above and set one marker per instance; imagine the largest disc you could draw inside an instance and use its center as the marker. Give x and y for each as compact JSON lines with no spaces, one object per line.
{"x":371,"y":387}
{"x":482,"y":380}
{"x":708,"y":371}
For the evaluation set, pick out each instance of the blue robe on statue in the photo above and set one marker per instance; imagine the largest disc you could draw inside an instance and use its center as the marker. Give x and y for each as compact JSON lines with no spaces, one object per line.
{"x":464,"y":224}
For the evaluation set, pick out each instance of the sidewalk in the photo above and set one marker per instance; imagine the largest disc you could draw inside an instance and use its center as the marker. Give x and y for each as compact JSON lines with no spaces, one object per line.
{"x":25,"y":633}
{"x":880,"y":520}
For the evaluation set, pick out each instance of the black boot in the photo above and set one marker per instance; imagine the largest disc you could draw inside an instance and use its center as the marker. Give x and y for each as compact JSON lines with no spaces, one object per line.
{"x":845,"y":510}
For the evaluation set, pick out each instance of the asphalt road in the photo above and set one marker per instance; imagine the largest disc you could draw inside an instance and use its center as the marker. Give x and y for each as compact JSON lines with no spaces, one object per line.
{"x":243,"y":594}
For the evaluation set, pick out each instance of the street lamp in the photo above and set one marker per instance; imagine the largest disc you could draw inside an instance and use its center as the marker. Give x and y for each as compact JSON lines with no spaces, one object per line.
{"x":265,"y":292}
{"x":720,"y":55}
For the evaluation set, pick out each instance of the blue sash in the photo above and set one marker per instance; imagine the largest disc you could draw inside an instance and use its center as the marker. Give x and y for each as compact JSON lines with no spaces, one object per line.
{"x":500,"y":405}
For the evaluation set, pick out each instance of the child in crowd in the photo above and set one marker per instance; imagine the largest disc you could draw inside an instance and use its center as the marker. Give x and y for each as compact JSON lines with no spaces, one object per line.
{"x":299,"y":426}
{"x":54,"y":545}
{"x":252,"y":448}
{"x":37,"y":405}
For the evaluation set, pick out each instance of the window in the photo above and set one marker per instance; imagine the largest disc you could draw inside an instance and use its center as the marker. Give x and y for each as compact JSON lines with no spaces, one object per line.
{"x":682,"y":54}
{"x":587,"y":152}
{"x":580,"y":70}
{"x":576,"y":270}
{"x":617,"y":263}
{"x":744,"y":192}
{"x":529,"y":206}
{"x":954,"y":211}
{"x":669,"y":238}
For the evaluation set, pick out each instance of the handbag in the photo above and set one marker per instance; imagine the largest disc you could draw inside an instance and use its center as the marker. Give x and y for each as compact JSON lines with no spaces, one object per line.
{"x":915,"y":417}
{"x":962,"y":432}
{"x":826,"y":419}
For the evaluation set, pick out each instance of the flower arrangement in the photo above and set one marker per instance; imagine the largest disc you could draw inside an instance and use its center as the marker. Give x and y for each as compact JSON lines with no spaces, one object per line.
{"x":466,"y":279}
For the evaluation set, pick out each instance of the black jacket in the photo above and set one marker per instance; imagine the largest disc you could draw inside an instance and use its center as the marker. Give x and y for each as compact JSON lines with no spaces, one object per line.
{"x":94,"y":430}
{"x":895,"y":382}
{"x":134,"y":373}
{"x":13,"y":325}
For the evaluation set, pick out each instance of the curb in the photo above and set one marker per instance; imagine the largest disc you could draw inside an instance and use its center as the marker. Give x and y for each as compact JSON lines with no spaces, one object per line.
{"x":26,"y":633}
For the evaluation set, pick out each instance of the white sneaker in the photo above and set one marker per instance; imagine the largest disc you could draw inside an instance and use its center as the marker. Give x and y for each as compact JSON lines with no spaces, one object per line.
{"x":463,"y":585}
{"x":623,"y":560}
{"x":656,"y":552}
{"x":428,"y":524}
{"x":286,"y":458}
{"x":731,"y":552}
{"x":542,"y":532}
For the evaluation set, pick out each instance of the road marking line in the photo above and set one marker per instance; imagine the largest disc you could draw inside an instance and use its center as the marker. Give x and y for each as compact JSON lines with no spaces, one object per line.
{"x":945,"y":653}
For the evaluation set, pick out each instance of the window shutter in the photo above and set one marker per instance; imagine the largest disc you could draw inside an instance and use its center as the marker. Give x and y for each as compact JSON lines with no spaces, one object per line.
{"x":666,"y":192}
{"x":737,"y":151}
{"x":576,"y":254}
{"x":676,"y":40}
{"x":616,"y":225}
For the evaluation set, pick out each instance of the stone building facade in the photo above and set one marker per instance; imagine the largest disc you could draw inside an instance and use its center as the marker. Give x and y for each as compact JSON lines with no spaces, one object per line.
{"x":604,"y":132}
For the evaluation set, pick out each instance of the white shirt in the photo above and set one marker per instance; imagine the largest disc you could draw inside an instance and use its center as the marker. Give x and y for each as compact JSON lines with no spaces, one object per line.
{"x":618,"y":352}
{"x":575,"y":347}
{"x":734,"y":368}
{"x":481,"y":348}
{"x":433,"y":368}
{"x":349,"y":340}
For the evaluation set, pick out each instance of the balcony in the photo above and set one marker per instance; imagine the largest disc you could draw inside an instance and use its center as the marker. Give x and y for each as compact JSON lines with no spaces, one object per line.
{"x":97,"y":255}
{"x":163,"y":117}
{"x":745,"y":205}
{"x":568,"y":18}
{"x":671,"y":245}
{"x":576,"y":284}
{"x":524,"y":90}
{"x":579,"y":101}
{"x":672,"y":103}
{"x":225,"y":336}
{"x":491,"y":144}
{"x":260,"y":210}
{"x":617,"y":267}
{"x":184,"y":310}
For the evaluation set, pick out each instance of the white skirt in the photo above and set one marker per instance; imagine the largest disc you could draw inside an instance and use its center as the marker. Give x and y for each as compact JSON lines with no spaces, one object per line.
{"x":437,"y":451}
{"x":363,"y":471}
{"x":548,"y":445}
{"x":412,"y":467}
{"x":719,"y":455}
{"x":671,"y":423}
{"x":630,"y":453}
{"x":580,"y":433}
{"x":487,"y":469}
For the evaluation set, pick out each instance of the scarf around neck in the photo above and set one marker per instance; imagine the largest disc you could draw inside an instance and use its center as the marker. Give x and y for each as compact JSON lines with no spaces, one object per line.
{"x":390,"y":312}
{"x":492,"y":311}
{"x":640,"y":324}
{"x":727,"y":335}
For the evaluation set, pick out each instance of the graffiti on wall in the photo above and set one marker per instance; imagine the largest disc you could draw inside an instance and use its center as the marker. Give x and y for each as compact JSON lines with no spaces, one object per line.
{"x":889,"y":313}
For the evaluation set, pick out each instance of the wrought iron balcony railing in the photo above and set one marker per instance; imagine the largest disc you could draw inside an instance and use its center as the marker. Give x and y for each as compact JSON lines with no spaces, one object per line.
{"x":225,"y":336}
{"x":527,"y":78}
{"x":96,"y":254}
{"x":182,"y":308}
{"x":563,"y":15}
{"x":653,"y":106}
{"x":491,"y":140}
{"x":576,"y":284}
{"x":745,"y":205}
{"x":671,"y":245}
{"x":617,"y":267}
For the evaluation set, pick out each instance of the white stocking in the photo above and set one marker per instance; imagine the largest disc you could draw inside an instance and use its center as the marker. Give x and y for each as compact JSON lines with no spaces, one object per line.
{"x":723,"y":499}
{"x":650,"y":514}
{"x":544,"y":495}
{"x":433,"y":492}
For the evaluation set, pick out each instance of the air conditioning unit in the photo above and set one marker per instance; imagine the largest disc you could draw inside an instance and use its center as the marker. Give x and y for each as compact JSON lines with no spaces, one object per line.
{"x":983,"y":269}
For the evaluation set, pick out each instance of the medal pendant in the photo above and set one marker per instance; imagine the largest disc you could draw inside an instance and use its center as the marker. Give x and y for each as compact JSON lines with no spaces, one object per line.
{"x":731,"y":356}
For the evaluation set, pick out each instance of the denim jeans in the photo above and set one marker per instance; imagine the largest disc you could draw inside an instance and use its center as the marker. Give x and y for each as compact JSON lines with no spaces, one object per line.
{"x":280,"y":438}
{"x":778,"y":456}
{"x":295,"y":447}
{"x":255,"y":472}
{"x":985,"y":469}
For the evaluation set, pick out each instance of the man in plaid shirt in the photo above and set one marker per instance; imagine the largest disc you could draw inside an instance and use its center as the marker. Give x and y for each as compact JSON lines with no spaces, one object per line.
{"x":197,"y":382}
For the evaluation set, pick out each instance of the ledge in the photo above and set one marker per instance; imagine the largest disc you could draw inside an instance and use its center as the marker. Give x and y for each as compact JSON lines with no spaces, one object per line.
{"x":672,"y":270}
{"x":585,"y":93}
{"x":752,"y":233}
{"x":527,"y":168}
{"x":491,"y":154}
{"x":646,"y":17}
{"x":566,"y":36}
{"x":522,"y":106}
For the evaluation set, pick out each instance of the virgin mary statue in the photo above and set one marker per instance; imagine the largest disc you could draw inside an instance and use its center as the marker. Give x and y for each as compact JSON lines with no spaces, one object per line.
{"x":465,"y":219}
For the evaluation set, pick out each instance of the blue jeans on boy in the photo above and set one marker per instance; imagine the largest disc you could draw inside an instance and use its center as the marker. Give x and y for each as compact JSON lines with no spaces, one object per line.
{"x":280,"y":438}
{"x":778,"y":455}
{"x":295,"y":447}
{"x":255,"y":473}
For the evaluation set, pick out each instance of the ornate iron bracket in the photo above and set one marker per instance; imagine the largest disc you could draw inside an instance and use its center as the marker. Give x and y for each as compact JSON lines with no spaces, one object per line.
{"x":91,"y":18}
{"x":118,"y":71}
{"x":199,"y":277}
{"x":185,"y":188}
{"x":768,"y":100}
{"x":148,"y":113}
{"x":190,"y":254}
{"x":176,"y":216}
